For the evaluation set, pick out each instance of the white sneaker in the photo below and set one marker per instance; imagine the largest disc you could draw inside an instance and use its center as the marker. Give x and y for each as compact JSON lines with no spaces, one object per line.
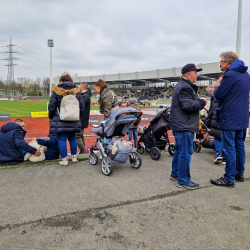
{"x":64,"y":162}
{"x":100,"y":157}
{"x":74,"y":159}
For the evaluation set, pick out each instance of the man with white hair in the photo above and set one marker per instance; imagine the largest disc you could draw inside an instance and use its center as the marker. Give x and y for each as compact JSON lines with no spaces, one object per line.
{"x":184,"y":122}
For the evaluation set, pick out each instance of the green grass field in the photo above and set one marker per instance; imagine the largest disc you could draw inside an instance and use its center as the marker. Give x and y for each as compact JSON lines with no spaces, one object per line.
{"x":23,"y":108}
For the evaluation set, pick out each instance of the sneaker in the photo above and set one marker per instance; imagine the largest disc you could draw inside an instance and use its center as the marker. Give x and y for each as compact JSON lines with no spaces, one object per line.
{"x":222,"y":182}
{"x":218,"y":158}
{"x":190,"y":185}
{"x":174,"y":178}
{"x":239,"y":177}
{"x":100,"y":157}
{"x":223,"y":161}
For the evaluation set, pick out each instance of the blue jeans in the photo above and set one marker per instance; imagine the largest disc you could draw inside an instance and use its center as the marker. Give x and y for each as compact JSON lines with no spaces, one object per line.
{"x":134,"y":133}
{"x":218,"y":146}
{"x":62,"y":143}
{"x":234,"y":153}
{"x":182,"y":156}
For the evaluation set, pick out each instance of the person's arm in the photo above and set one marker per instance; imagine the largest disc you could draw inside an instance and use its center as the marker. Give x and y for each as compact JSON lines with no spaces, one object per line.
{"x":187,"y":101}
{"x":46,"y":143}
{"x":81,"y":103}
{"x":52,"y":105}
{"x":21,"y":143}
{"x":225,"y":87}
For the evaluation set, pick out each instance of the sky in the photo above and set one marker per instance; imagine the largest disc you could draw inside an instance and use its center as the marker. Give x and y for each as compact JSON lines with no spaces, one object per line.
{"x":96,"y":37}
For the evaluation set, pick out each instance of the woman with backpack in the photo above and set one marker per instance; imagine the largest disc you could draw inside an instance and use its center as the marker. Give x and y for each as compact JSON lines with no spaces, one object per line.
{"x":65,"y":129}
{"x":108,"y":100}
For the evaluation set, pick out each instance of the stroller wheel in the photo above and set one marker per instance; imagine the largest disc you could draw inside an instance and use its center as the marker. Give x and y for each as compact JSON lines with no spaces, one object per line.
{"x":171,"y":149}
{"x":107,"y":166}
{"x":135,"y":160}
{"x":140,"y":149}
{"x":155,"y":153}
{"x":196,"y":146}
{"x":147,"y":150}
{"x":93,"y":159}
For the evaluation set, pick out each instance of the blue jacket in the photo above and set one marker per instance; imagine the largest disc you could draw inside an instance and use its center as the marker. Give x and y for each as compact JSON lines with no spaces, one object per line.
{"x":52,"y":151}
{"x":56,"y":125}
{"x":12,"y":144}
{"x":185,"y":106}
{"x":233,"y":96}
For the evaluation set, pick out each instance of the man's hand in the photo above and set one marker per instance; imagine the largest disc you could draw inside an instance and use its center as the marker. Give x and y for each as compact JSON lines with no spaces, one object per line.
{"x":34,"y":138}
{"x":37,"y":153}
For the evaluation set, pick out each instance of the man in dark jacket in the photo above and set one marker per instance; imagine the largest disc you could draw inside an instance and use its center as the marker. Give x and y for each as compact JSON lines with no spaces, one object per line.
{"x":13,"y":144}
{"x":184,"y":122}
{"x":233,"y":116}
{"x":86,"y":95}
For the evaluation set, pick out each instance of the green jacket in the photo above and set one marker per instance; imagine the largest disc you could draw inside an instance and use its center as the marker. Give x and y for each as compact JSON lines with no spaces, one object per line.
{"x":108,"y":102}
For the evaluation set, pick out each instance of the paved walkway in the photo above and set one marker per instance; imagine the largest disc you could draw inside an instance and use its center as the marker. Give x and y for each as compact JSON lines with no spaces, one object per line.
{"x":77,"y":207}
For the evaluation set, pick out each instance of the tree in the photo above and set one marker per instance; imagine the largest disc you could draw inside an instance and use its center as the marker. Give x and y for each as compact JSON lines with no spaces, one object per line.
{"x":46,"y":84}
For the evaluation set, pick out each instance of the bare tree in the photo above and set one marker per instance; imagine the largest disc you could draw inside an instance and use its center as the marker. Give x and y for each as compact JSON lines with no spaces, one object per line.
{"x":46,"y":84}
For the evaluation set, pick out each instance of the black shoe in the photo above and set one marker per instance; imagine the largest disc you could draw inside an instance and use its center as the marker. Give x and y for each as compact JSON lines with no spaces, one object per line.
{"x":174,"y":178}
{"x":222,"y":182}
{"x":239,"y":178}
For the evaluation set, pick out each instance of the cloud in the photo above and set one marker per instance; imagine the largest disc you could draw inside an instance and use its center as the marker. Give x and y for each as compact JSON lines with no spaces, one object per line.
{"x":110,"y":36}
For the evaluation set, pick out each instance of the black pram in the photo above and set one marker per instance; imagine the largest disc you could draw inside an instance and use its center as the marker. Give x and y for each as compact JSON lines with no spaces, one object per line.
{"x":155,"y":137}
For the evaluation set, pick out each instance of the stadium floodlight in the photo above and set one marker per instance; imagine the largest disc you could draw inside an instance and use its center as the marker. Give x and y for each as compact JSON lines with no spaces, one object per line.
{"x":50,"y":44}
{"x":238,"y":41}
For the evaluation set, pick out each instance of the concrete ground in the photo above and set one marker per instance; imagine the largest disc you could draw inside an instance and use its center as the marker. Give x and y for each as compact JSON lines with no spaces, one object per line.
{"x":77,"y":207}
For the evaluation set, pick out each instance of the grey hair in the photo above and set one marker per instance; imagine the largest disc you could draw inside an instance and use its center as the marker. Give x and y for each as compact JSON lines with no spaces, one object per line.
{"x":229,"y":56}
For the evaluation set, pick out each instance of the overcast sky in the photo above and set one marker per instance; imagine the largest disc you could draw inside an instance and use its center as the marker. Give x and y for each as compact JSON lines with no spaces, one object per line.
{"x":94,"y":37}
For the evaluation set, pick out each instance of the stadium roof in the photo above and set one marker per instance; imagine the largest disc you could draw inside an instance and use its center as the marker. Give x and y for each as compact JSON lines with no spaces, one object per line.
{"x":209,"y":70}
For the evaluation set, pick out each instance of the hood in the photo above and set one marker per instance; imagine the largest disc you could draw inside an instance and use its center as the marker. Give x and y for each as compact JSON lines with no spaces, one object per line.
{"x":65,"y":88}
{"x":238,"y":66}
{"x":10,"y":126}
{"x":87,"y":92}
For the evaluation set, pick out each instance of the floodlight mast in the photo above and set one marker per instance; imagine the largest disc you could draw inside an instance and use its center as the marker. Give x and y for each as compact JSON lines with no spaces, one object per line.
{"x":238,"y":42}
{"x":50,"y":44}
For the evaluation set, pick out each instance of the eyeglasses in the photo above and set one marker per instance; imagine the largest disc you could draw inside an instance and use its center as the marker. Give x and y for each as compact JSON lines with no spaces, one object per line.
{"x":222,"y":61}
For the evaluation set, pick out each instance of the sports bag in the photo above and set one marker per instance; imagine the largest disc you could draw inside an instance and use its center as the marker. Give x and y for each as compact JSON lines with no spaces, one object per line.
{"x":69,"y":108}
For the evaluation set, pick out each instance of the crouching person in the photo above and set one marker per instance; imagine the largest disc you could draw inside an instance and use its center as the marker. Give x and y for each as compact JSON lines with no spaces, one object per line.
{"x":52,"y":152}
{"x":13,"y":144}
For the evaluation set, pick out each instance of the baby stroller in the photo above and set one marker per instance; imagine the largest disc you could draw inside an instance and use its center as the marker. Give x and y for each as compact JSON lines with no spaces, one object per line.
{"x":118,"y":125}
{"x":155,"y":137}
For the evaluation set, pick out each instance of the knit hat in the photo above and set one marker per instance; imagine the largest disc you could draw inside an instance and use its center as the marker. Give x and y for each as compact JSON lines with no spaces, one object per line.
{"x":51,"y":135}
{"x":132,"y":101}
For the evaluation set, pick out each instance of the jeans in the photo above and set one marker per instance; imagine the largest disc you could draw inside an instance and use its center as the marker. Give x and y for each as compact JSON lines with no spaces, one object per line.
{"x":182,"y":156}
{"x":234,"y":152}
{"x":218,"y":146}
{"x":62,"y":143}
{"x":134,"y":133}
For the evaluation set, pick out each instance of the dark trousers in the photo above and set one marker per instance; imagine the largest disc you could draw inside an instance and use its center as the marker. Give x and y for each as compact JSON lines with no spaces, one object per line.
{"x":80,"y":141}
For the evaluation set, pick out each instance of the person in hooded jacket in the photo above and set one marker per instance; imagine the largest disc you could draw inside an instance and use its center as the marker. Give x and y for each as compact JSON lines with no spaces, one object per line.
{"x":86,"y":95}
{"x":13,"y":144}
{"x":65,"y":129}
{"x":233,"y":116}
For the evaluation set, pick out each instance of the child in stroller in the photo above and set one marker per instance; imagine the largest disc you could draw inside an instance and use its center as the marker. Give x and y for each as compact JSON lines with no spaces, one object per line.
{"x":155,"y":137}
{"x":117,"y":151}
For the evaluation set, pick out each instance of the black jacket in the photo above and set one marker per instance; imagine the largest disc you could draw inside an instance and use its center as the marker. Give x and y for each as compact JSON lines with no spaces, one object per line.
{"x":12,"y":144}
{"x":57,"y":125}
{"x":52,"y":151}
{"x":86,"y":99}
{"x":185,"y":106}
{"x":211,"y":120}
